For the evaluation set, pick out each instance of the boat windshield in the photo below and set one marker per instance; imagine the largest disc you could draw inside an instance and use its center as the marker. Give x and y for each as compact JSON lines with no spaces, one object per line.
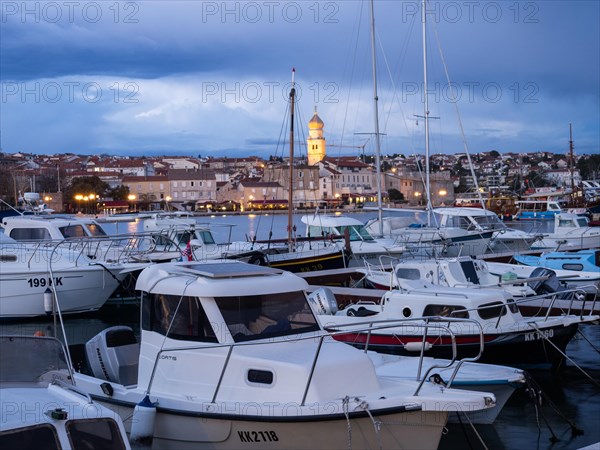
{"x":265,"y":316}
{"x":491,"y":222}
{"x":25,"y":359}
{"x":95,"y":229}
{"x":95,"y":433}
{"x":73,"y":231}
{"x":205,"y":236}
{"x":356,"y":233}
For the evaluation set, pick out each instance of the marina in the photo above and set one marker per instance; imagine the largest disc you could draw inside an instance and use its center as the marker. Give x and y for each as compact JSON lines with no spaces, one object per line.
{"x":312,"y":226}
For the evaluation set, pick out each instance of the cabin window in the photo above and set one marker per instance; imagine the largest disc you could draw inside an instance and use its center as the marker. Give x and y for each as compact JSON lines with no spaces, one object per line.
{"x":566,"y":223}
{"x":183,"y":238}
{"x":94,"y":433}
{"x":96,"y":230}
{"x":30,"y":234}
{"x":571,"y":266}
{"x":177,"y":317}
{"x":470,"y":271}
{"x":206,"y":237}
{"x":582,"y":222}
{"x":265,"y":316}
{"x":456,"y":311}
{"x":73,"y":231}
{"x":408,"y":274}
{"x":491,"y":310}
{"x":30,"y":438}
{"x":260,"y":376}
{"x":512,"y":305}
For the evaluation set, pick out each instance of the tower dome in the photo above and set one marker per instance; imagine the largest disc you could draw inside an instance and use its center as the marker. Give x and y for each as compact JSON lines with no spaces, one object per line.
{"x":315,"y":123}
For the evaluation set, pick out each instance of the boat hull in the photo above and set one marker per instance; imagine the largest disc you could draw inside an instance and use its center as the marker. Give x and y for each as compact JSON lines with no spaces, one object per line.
{"x":524,"y":348}
{"x":292,"y":263}
{"x":80,"y":290}
{"x":187,"y":430}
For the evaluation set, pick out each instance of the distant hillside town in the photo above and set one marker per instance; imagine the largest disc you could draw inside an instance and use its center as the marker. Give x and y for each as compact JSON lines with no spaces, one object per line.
{"x":70,"y":182}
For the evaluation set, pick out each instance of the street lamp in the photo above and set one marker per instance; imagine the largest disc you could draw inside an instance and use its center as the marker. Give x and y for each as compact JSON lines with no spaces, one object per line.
{"x":131,"y":199}
{"x":167,"y":200}
{"x":79,"y":197}
{"x":418,"y":197}
{"x":442,"y":194}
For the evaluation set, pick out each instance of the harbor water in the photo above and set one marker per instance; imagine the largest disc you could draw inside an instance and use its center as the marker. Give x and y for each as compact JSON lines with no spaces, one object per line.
{"x":561,"y":410}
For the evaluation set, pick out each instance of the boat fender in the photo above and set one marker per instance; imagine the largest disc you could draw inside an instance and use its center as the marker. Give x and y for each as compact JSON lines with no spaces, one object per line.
{"x":142,"y":423}
{"x":48,"y":306}
{"x":417,"y":346}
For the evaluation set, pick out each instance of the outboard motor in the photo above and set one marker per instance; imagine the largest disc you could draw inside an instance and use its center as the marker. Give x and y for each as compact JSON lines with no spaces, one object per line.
{"x":323,"y":301}
{"x":551,"y":285}
{"x":113,"y":355}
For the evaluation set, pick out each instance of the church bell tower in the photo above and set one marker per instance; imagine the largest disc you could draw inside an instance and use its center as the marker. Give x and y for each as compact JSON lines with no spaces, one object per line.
{"x":315,"y":142}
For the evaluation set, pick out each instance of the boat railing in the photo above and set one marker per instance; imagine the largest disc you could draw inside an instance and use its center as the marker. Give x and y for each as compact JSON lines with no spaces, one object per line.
{"x":114,"y":249}
{"x":574,"y":295}
{"x":426,"y":323}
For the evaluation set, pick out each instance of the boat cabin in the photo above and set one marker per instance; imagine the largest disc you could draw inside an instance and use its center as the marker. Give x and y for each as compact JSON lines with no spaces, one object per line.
{"x":336,"y":226}
{"x":462,"y":272}
{"x":46,"y":228}
{"x":469,"y":219}
{"x":41,"y":407}
{"x":537,"y":209}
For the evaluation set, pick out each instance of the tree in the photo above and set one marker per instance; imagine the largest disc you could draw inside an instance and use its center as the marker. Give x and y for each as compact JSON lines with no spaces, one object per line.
{"x":84,"y":187}
{"x":395,"y":195}
{"x":119,"y":193}
{"x":495,"y":154}
{"x":589,"y":167}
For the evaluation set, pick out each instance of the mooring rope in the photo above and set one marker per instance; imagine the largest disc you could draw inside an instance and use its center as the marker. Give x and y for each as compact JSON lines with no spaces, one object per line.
{"x":345,"y":402}
{"x":376,"y":423}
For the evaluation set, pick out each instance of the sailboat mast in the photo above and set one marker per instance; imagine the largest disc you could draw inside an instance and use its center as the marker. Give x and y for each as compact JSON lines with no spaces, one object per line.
{"x":376,"y":115}
{"x":291,"y":172}
{"x":573,"y":197}
{"x":426,"y":112}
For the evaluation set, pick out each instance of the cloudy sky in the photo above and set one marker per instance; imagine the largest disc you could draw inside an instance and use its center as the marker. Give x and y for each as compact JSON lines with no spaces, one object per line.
{"x":211,"y":78}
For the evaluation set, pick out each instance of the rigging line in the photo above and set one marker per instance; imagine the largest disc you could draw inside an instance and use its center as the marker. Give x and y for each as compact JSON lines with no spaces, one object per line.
{"x":400,"y":64}
{"x":395,"y":96}
{"x":280,"y":142}
{"x":460,"y":124}
{"x":358,"y":21}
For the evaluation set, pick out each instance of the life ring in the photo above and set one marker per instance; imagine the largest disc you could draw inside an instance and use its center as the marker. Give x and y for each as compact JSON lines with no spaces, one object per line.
{"x":258,"y":259}
{"x":498,"y":202}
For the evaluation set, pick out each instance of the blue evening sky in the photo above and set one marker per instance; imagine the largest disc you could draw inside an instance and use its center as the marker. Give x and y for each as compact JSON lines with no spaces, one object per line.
{"x":211,"y":78}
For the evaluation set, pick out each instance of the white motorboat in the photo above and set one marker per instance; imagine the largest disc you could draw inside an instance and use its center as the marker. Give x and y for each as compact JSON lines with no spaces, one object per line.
{"x":509,"y":337}
{"x":571,"y":232}
{"x":231,"y":355}
{"x":50,"y":227}
{"x":32,"y":276}
{"x":502,"y":381}
{"x":430,"y":238}
{"x":462,"y":272}
{"x":505,"y":240}
{"x":365,"y":248}
{"x":181,"y":230}
{"x":560,"y":291}
{"x":40,"y":405}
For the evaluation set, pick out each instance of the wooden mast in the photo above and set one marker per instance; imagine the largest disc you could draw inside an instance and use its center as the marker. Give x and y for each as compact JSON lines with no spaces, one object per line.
{"x":291,"y":172}
{"x":574,"y":199}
